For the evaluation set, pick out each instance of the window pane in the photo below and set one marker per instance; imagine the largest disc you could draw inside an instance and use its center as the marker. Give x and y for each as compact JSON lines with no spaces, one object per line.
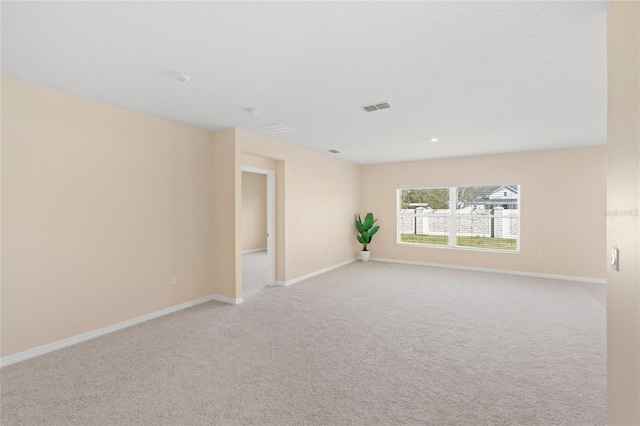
{"x":487,"y":217}
{"x":424,"y":216}
{"x":429,"y":198}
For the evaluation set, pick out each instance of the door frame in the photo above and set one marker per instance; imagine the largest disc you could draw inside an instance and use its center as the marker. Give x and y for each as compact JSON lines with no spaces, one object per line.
{"x":271,"y":220}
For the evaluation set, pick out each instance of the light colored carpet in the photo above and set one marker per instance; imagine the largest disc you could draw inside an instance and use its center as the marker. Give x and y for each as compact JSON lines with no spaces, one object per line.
{"x":371,"y":343}
{"x":254,"y":272}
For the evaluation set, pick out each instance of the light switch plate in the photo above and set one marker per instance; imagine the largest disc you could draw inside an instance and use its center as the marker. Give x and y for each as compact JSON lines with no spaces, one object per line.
{"x":614,"y":259}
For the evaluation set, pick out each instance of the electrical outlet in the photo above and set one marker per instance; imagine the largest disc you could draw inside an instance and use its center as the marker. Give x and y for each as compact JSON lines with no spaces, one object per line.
{"x":540,"y":255}
{"x":173,"y":280}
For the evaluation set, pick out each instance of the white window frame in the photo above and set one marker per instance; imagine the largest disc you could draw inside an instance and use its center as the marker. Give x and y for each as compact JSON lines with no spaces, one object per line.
{"x":453,"y":224}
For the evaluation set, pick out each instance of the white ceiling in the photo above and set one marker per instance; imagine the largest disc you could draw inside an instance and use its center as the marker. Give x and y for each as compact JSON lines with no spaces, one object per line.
{"x":484,"y":77}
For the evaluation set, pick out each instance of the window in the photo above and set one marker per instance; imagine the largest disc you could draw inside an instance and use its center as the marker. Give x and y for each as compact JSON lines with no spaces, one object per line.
{"x":478,"y":217}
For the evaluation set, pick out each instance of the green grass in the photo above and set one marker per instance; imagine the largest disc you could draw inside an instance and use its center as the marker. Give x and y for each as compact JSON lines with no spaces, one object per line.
{"x":478,"y":242}
{"x":425,"y":239}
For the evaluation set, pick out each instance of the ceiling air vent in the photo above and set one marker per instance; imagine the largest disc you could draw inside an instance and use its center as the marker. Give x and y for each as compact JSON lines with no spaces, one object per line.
{"x":334,"y":151}
{"x":275,"y":128}
{"x":376,"y":107}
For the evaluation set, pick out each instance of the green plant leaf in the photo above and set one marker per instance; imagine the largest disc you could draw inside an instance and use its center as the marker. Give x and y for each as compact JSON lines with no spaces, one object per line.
{"x":373,"y":231}
{"x":366,"y":228}
{"x":368,"y":221}
{"x":359,"y":224}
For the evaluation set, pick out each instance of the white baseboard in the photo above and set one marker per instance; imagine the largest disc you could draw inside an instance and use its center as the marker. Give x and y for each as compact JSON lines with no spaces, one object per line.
{"x":313,"y":274}
{"x":253,"y":250}
{"x":224,"y":299}
{"x":498,"y":271}
{"x":69,"y":341}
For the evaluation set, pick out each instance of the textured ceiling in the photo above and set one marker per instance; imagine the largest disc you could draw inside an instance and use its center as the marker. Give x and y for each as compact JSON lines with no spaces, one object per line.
{"x":483,"y":77}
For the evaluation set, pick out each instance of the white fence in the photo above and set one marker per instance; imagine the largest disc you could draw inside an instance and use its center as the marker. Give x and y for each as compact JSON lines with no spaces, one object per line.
{"x":474,"y":223}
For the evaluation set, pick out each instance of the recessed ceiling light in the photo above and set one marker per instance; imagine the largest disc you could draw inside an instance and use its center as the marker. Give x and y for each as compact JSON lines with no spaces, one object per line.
{"x":434,"y":140}
{"x":179,"y":76}
{"x":253,"y":111}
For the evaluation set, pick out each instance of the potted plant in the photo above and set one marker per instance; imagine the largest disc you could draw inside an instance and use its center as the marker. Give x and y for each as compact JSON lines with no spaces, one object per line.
{"x":366,"y":232}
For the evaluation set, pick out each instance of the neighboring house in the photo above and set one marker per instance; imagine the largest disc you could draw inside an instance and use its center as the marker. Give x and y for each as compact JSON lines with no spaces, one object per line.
{"x":506,"y":197}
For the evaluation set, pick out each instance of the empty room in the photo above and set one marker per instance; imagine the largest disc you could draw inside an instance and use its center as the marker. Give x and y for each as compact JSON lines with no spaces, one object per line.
{"x":322,"y":213}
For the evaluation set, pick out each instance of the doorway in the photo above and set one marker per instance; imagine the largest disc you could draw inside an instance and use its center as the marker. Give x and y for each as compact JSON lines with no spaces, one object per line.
{"x":258,"y":229}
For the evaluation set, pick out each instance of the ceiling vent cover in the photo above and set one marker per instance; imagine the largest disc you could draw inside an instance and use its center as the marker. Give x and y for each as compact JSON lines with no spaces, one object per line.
{"x":376,"y":107}
{"x":275,"y":128}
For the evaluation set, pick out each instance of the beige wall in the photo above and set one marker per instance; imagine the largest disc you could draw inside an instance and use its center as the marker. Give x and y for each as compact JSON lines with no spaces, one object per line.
{"x":258,"y":162}
{"x":318,"y":197}
{"x":1,"y":350}
{"x":100,"y":206}
{"x":562,"y":208}
{"x":254,"y":211}
{"x":227,"y":270}
{"x":623,"y":204}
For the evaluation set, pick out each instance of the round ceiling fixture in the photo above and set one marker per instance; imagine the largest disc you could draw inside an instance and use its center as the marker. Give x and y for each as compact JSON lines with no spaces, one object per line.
{"x":434,"y":140}
{"x":253,"y":111}
{"x":179,"y":76}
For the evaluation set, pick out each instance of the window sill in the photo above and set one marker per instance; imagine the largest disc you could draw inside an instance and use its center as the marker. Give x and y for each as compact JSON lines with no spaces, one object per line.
{"x":437,"y":246}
